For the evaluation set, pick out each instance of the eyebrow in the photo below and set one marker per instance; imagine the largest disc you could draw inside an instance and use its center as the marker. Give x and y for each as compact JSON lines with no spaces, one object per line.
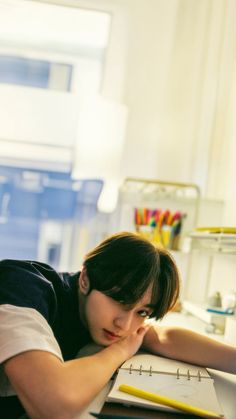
{"x":149,"y":305}
{"x":152,"y":306}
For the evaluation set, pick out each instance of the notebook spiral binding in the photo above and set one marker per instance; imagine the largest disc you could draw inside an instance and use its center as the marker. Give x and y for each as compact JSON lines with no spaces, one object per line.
{"x":150,"y":372}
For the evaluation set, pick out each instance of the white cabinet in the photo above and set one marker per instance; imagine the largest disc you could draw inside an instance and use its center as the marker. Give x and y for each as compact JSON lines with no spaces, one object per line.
{"x":211,"y":268}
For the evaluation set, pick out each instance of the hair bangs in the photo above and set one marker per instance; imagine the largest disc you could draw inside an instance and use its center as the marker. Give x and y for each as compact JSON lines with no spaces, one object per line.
{"x":128,"y":285}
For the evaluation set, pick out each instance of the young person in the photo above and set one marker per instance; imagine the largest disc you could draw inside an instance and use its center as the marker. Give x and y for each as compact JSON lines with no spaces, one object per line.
{"x":46,"y":317}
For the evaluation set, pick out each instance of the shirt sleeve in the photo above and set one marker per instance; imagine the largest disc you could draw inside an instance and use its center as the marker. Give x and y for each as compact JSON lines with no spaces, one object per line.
{"x":23,"y":329}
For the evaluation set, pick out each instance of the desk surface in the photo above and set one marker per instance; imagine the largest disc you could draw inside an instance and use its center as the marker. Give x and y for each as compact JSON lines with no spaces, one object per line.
{"x":116,"y":409}
{"x":225,"y":385}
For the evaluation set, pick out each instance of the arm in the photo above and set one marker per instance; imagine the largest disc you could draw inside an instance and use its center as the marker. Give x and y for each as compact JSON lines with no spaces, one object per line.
{"x":191,"y":347}
{"x":49,"y":388}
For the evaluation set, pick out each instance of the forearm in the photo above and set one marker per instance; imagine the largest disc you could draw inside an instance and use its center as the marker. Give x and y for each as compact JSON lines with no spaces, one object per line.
{"x":51,"y":389}
{"x":188,"y":346}
{"x":92,"y":373}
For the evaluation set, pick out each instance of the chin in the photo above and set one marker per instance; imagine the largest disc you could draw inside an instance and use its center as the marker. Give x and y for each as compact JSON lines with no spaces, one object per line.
{"x":98,"y":340}
{"x":101,"y":341}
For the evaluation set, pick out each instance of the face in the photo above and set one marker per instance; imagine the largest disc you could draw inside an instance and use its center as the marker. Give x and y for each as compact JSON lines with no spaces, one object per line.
{"x":109,"y":321}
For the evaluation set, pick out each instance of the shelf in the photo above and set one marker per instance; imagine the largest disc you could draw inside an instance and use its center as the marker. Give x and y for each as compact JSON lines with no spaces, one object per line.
{"x":158,"y":195}
{"x":199,"y":311}
{"x":218,"y":242}
{"x":159,"y":189}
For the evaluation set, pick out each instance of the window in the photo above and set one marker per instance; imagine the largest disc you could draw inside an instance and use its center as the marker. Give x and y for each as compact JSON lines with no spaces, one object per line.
{"x":35,"y":73}
{"x":51,"y":63}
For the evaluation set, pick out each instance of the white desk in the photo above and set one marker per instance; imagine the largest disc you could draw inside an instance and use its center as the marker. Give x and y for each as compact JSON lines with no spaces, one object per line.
{"x":225,"y":385}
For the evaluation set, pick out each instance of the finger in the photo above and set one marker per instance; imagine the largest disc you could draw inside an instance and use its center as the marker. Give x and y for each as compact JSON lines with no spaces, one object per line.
{"x":142,"y":330}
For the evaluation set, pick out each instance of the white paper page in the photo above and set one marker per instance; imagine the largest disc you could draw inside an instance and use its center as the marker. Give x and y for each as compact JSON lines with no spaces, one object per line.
{"x":196,"y":393}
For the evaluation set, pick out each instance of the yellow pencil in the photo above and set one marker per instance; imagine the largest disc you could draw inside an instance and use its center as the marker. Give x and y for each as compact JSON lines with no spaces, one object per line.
{"x":156,"y":398}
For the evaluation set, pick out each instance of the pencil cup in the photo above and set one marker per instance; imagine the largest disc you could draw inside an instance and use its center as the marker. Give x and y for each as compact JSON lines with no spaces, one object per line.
{"x":169,"y":238}
{"x":166,"y":236}
{"x":150,"y":233}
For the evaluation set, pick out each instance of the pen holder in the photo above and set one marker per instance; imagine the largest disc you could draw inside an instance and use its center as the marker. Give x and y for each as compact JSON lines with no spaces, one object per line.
{"x":162,"y":228}
{"x":166,"y":236}
{"x":159,"y":237}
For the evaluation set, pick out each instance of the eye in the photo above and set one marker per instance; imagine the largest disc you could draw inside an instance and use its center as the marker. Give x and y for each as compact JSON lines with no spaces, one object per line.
{"x":144,"y":313}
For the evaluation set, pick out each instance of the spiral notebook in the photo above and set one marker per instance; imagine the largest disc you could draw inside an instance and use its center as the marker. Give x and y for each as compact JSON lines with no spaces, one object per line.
{"x":176,"y":380}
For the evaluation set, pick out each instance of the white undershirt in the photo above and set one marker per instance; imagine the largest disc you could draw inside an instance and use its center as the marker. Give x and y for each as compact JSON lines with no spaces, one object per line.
{"x":23,"y":329}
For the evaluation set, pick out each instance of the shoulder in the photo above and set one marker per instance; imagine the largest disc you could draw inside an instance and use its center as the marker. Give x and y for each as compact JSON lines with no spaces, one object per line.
{"x":27,"y":284}
{"x":155,"y":339}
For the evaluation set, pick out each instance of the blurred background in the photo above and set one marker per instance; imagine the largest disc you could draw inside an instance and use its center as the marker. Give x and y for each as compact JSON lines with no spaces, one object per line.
{"x":113,"y":112}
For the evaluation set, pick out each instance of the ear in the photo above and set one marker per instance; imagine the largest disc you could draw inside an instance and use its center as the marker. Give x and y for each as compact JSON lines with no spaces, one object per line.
{"x":84,"y":284}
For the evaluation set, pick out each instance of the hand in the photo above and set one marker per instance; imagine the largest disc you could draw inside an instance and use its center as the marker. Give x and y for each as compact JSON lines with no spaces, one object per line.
{"x":131,"y":343}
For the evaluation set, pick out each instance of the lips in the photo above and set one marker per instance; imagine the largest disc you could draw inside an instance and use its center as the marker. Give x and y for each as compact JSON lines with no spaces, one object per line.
{"x":110,"y":335}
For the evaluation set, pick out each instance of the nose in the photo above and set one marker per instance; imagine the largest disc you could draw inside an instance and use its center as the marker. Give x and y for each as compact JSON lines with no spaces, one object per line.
{"x":124,"y":320}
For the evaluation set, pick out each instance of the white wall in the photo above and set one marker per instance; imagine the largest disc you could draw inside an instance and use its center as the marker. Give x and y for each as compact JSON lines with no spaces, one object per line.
{"x":172,"y":63}
{"x":228,"y":171}
{"x":179,"y":69}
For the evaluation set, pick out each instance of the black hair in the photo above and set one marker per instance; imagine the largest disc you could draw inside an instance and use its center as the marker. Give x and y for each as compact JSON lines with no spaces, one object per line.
{"x":124,"y":265}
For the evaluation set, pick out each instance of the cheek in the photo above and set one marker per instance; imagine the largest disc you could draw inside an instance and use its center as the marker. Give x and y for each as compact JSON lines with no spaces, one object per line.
{"x":97,"y":310}
{"x":91,"y":311}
